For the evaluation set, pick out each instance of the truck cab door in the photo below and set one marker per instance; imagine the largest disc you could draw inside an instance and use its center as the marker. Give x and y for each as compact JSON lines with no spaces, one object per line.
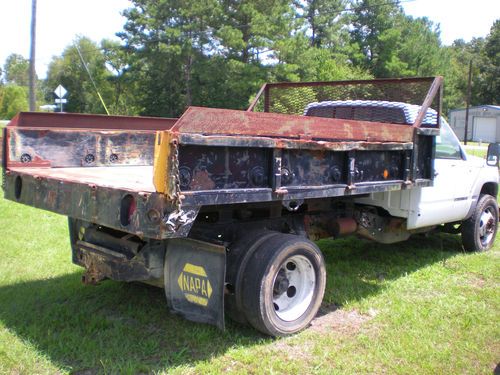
{"x":450,"y":197}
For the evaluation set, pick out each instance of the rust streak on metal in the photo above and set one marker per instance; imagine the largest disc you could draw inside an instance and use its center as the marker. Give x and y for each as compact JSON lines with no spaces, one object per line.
{"x":44,"y":147}
{"x":211,"y":121}
{"x":86,"y":121}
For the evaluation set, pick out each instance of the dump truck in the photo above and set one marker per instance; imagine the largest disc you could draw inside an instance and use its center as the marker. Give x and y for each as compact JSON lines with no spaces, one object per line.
{"x":221,"y":207}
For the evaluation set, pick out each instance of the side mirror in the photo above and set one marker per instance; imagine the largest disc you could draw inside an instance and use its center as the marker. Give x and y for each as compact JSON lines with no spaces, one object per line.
{"x":493,"y":155}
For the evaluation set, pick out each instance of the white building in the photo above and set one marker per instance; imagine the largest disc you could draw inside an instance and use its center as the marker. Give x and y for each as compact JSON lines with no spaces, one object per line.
{"x":484,"y":123}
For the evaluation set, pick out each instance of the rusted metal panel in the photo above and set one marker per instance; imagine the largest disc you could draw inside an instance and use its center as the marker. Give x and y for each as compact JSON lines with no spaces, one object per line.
{"x":312,"y":168}
{"x":268,"y":142}
{"x":96,"y":203}
{"x":233,"y":196}
{"x":212,"y":121}
{"x":102,"y":262}
{"x":129,"y":178}
{"x":210,"y":168}
{"x":378,"y":166}
{"x":87,"y":121}
{"x":49,"y":147}
{"x":215,"y":168}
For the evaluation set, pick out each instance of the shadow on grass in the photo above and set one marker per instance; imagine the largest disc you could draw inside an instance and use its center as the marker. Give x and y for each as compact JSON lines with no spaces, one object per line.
{"x":113,"y":327}
{"x":119,"y":327}
{"x":358,"y":268}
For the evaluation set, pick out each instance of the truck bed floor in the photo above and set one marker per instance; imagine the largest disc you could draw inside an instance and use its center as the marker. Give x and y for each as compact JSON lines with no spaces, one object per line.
{"x":132,"y":178}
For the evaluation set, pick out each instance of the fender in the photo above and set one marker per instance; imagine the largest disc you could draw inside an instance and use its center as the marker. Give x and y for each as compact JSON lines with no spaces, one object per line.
{"x":486,"y":182}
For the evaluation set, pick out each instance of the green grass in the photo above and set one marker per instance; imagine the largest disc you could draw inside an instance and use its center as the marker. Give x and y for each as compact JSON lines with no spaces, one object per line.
{"x":476,"y":151}
{"x":423,"y":306}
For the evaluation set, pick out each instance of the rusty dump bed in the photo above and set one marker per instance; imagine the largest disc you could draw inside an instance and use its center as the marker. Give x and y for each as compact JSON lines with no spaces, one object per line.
{"x":151,"y":176}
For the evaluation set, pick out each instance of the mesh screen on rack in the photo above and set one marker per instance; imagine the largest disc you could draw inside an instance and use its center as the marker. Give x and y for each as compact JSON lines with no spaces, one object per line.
{"x":389,"y":100}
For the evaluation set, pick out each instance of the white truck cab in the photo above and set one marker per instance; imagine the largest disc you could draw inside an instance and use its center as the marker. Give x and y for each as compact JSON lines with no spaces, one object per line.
{"x":461,"y":200}
{"x":459,"y":180}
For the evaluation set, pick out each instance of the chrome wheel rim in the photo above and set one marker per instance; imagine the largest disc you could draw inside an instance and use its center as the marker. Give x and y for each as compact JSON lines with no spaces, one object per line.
{"x":487,"y":225}
{"x":293,"y":288}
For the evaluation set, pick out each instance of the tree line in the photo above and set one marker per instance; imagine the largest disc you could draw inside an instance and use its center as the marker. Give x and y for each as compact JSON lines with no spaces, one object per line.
{"x":217,"y":53}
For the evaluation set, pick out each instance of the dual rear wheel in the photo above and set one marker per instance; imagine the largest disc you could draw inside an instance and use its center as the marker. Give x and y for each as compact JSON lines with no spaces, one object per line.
{"x":279,"y":283}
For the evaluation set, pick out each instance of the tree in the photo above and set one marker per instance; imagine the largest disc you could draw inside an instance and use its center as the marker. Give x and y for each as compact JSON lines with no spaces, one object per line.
{"x":375,"y":34}
{"x":420,"y":47}
{"x":124,"y":87}
{"x":16,"y":70}
{"x":490,"y":67}
{"x":13,"y":99}
{"x":324,"y":21}
{"x":249,"y":29}
{"x":219,"y":52}
{"x":167,"y":40}
{"x":192,"y":53}
{"x":68,"y":70}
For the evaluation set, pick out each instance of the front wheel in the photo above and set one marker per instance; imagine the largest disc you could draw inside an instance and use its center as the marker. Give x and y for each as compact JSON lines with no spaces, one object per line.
{"x":284,"y":283}
{"x":479,"y":231}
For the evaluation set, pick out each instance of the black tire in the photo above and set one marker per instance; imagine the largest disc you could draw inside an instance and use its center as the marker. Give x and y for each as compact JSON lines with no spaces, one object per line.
{"x":479,"y":231}
{"x":239,"y":253}
{"x":286,"y":270}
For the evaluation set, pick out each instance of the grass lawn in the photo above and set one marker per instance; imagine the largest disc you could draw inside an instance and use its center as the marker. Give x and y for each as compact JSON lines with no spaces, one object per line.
{"x":423,"y":306}
{"x":476,"y":150}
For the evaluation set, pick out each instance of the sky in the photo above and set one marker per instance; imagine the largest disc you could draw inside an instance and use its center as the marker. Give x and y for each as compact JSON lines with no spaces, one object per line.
{"x":59,"y":22}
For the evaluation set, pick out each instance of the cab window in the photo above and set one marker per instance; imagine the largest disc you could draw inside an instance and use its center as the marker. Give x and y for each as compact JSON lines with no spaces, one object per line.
{"x":447,"y":144}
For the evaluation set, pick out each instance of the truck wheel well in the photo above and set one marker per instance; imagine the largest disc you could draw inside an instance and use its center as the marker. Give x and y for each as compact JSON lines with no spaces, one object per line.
{"x":490,"y":188}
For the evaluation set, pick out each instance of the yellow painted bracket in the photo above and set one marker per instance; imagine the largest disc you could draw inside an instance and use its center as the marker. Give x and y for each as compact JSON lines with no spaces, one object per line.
{"x":163,"y":163}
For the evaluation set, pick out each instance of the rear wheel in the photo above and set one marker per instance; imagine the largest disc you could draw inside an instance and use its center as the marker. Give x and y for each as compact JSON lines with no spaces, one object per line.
{"x":284,"y":282}
{"x":479,"y":231}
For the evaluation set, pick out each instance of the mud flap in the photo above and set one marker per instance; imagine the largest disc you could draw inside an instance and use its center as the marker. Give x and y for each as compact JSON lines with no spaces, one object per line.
{"x":194,"y":280}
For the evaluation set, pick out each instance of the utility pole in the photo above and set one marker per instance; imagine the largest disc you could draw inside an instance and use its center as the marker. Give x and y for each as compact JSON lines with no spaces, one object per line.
{"x":468,"y":103}
{"x":32,"y":78}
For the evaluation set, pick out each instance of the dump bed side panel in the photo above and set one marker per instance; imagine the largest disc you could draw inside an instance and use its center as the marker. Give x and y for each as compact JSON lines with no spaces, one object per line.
{"x":63,"y":148}
{"x":213,"y":121}
{"x":227,"y":157}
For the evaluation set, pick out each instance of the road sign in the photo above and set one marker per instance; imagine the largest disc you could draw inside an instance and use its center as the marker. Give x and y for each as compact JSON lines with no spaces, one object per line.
{"x":63,"y":101}
{"x":60,"y":91}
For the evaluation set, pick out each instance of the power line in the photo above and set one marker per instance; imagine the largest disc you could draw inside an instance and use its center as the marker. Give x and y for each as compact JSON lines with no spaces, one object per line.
{"x":92,"y":79}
